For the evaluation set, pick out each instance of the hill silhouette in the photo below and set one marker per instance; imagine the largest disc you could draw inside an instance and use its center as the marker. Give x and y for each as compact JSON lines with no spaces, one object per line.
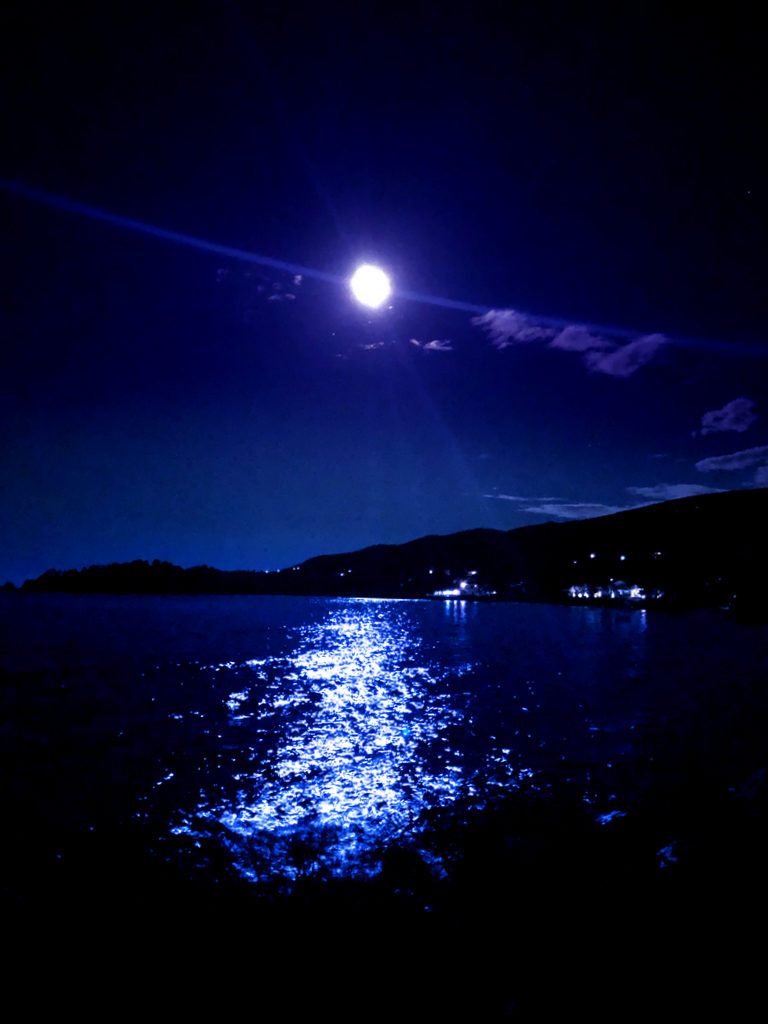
{"x":703,"y":551}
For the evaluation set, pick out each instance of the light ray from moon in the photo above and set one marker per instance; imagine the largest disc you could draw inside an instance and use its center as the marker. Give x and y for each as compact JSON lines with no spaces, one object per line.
{"x":84,"y":210}
{"x":95,"y":213}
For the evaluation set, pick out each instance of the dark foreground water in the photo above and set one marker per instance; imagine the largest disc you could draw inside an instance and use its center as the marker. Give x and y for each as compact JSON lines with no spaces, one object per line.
{"x":455,"y":756}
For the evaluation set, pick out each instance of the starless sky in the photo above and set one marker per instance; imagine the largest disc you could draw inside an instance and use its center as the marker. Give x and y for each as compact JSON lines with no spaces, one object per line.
{"x":555,"y":166}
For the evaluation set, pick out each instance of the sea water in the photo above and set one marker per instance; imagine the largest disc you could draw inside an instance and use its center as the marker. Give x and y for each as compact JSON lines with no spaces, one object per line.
{"x":311,"y":734}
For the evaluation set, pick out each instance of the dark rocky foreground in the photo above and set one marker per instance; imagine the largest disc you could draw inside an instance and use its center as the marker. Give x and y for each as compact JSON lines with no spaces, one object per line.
{"x":533,"y":923}
{"x":540,"y":912}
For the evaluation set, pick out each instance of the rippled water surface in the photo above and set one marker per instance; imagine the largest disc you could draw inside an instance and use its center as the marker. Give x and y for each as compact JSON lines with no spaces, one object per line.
{"x":297,"y":732}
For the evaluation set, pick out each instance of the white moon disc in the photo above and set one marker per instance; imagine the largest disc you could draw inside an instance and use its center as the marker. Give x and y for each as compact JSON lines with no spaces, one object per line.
{"x":370,"y":285}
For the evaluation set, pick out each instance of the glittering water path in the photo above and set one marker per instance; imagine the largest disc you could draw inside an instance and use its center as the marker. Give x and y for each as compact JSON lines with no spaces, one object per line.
{"x":280,"y":736}
{"x":362,"y":725}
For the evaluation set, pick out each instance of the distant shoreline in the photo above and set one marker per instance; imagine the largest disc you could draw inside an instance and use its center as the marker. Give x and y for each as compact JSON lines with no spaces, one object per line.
{"x":705,"y":552}
{"x":757,"y":614}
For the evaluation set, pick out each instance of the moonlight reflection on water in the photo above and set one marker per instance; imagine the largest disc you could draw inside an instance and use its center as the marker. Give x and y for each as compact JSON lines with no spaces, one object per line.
{"x":284,"y":736}
{"x":361,"y":728}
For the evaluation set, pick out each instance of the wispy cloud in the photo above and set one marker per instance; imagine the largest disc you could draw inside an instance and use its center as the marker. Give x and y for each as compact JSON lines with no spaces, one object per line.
{"x":506,"y":327}
{"x":669,"y":492}
{"x":579,"y":339}
{"x":736,"y":460}
{"x":518,"y":498}
{"x":558,"y":508}
{"x":625,"y":359}
{"x":577,"y":510}
{"x":761,"y":477}
{"x":601,"y":354}
{"x":736,"y":415}
{"x":436,"y":345}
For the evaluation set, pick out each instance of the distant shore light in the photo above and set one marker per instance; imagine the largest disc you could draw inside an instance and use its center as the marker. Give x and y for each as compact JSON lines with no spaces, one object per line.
{"x":370,"y":286}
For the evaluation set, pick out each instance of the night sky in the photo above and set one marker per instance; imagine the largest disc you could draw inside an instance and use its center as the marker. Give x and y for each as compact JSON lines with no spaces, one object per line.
{"x":591,"y":185}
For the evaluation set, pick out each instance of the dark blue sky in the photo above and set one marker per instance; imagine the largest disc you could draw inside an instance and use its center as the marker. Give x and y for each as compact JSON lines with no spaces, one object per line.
{"x":161,"y":401}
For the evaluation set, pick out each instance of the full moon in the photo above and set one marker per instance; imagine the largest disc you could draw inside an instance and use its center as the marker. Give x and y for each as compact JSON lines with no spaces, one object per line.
{"x":370,"y":285}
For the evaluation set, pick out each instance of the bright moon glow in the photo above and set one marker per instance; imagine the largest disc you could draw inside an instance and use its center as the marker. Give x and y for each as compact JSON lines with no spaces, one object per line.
{"x":370,"y":285}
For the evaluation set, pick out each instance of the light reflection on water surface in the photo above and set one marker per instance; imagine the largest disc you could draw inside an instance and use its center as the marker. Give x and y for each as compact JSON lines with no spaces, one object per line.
{"x":229,"y":728}
{"x":354,"y":732}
